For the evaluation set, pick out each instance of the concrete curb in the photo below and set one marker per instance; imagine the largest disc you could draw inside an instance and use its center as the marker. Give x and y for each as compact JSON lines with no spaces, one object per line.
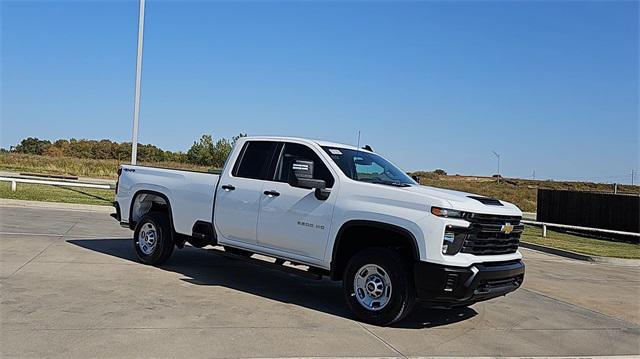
{"x":5,"y":202}
{"x":581,"y":257}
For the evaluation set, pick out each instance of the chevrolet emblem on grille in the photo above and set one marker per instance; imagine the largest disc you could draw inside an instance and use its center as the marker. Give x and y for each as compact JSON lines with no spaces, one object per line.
{"x":506,"y":228}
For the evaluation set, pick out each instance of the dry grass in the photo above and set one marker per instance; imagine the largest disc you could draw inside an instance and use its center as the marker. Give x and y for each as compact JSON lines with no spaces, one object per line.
{"x":521,"y":192}
{"x":81,"y":167}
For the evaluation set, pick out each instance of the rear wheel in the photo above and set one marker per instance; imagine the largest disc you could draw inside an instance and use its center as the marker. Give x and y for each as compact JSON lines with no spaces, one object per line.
{"x":238,"y":251}
{"x":378,"y":286}
{"x":152,"y":238}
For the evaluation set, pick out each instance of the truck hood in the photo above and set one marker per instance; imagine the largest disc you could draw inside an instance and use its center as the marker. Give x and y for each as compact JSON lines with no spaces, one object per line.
{"x":462,"y":201}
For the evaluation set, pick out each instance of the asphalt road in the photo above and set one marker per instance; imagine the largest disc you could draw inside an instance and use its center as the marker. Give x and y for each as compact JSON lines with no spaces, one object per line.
{"x":71,"y":287}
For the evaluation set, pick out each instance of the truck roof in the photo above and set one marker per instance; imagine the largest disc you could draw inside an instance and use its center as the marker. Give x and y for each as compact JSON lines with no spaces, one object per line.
{"x":319,"y":142}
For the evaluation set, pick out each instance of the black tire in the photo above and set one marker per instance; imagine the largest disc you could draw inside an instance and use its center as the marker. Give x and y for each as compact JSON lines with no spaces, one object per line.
{"x":238,"y":251}
{"x":402,"y":295}
{"x":163,"y":247}
{"x":198,"y":242}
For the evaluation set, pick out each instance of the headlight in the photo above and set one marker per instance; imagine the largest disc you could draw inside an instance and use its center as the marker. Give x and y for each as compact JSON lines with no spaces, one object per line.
{"x":453,"y":240}
{"x":447,"y":242}
{"x":445,"y":212}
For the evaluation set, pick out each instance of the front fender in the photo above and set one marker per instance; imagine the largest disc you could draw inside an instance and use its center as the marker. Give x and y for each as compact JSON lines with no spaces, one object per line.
{"x":402,"y":225}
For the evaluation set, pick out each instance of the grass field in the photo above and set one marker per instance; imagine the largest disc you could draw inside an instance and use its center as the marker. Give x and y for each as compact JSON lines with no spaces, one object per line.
{"x":590,"y":246}
{"x":81,"y":167}
{"x":46,"y":193}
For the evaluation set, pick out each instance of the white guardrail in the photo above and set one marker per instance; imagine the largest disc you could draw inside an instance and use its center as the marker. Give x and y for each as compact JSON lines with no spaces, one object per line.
{"x":15,"y":180}
{"x":586,"y":229}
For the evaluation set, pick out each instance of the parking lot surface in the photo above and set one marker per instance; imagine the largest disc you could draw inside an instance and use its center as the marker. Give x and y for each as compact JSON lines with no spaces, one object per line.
{"x":71,"y":287}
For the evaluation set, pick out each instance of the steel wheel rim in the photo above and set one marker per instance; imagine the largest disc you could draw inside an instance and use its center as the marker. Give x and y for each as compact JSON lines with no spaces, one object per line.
{"x":372,"y":287}
{"x":147,"y":238}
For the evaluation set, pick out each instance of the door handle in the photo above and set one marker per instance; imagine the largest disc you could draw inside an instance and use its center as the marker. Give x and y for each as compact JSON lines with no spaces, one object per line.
{"x":228,"y":187}
{"x":272,"y":193}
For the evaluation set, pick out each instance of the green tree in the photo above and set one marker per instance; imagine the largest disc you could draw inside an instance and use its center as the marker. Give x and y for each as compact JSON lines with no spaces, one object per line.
{"x":102,"y":149}
{"x":122,"y":151}
{"x":81,"y":148}
{"x":33,"y":146}
{"x":179,"y":157}
{"x":150,"y":153}
{"x":58,"y":149}
{"x":220,"y":153}
{"x":201,"y":153}
{"x":204,"y":152}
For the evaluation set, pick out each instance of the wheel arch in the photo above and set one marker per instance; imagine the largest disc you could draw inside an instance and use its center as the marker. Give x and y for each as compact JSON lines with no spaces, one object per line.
{"x":343,"y":250}
{"x":132,"y":213}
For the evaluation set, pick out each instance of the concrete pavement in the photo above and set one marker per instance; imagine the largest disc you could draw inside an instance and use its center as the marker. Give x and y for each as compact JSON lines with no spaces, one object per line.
{"x":71,"y":287}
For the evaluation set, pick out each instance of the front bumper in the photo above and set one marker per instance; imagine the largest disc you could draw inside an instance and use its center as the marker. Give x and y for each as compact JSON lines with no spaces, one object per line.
{"x":449,"y":286}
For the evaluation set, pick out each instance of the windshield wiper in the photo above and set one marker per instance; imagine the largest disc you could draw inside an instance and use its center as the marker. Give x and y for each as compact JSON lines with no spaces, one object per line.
{"x":391,"y":183}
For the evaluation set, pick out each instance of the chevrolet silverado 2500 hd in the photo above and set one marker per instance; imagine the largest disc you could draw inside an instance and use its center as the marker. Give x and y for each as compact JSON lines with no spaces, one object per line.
{"x":343,"y":211}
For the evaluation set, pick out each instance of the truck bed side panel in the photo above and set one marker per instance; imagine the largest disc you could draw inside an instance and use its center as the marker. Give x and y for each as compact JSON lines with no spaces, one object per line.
{"x":190,"y":194}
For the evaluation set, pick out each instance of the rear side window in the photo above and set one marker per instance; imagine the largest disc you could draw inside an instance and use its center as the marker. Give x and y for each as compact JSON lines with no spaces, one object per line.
{"x":254,"y":159}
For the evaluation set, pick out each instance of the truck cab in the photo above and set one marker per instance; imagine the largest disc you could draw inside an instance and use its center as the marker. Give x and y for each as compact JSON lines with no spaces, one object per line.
{"x":343,"y":211}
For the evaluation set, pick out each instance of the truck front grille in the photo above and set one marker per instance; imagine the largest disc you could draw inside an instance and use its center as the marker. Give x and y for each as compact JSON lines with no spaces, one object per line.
{"x":487,"y":235}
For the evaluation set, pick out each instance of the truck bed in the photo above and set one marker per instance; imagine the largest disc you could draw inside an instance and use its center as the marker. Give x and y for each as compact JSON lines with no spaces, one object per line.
{"x":190,"y":193}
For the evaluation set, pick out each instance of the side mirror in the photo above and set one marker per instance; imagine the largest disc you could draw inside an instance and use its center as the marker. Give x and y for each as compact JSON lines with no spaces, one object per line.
{"x":302,"y":176}
{"x":416,"y":178}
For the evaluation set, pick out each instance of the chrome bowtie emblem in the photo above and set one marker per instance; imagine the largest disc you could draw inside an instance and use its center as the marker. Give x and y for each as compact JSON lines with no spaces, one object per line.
{"x":506,"y":228}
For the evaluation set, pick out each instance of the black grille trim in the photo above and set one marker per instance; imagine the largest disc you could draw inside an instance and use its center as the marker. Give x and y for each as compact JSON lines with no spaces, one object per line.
{"x":484,"y":236}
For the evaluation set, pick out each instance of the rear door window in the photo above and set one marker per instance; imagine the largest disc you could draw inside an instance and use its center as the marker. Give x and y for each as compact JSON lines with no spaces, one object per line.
{"x":254,"y":160}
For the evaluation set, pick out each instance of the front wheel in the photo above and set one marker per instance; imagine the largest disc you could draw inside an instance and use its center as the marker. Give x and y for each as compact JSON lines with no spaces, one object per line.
{"x":152,"y":238}
{"x":378,"y":286}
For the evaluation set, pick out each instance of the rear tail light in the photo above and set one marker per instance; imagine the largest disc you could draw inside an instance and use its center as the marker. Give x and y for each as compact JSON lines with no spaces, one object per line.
{"x":118,"y":181}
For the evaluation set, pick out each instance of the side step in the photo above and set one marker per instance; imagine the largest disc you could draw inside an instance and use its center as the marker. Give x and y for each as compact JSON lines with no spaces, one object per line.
{"x":311,"y":273}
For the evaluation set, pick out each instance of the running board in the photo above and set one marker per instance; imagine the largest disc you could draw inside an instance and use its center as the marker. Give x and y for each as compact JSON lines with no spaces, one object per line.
{"x":311,"y":273}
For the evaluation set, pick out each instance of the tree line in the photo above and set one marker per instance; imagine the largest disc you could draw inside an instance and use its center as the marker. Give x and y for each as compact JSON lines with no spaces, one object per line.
{"x":205,"y":151}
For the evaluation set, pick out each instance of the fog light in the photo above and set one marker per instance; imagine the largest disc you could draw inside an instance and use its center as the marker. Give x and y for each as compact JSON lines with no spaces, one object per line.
{"x":450,"y":284}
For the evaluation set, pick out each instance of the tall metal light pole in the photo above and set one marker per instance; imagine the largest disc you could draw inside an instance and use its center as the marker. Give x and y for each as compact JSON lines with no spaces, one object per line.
{"x":498,"y":157}
{"x":136,"y":100}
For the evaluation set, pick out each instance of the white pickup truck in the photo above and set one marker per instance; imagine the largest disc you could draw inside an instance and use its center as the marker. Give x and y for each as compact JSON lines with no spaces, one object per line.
{"x":345,"y":212}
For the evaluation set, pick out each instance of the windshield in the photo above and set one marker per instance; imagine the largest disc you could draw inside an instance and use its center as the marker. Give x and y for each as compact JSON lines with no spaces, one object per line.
{"x":368,"y":167}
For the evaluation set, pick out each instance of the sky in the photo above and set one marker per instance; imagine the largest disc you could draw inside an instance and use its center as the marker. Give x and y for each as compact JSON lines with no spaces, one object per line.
{"x":551,"y":86}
